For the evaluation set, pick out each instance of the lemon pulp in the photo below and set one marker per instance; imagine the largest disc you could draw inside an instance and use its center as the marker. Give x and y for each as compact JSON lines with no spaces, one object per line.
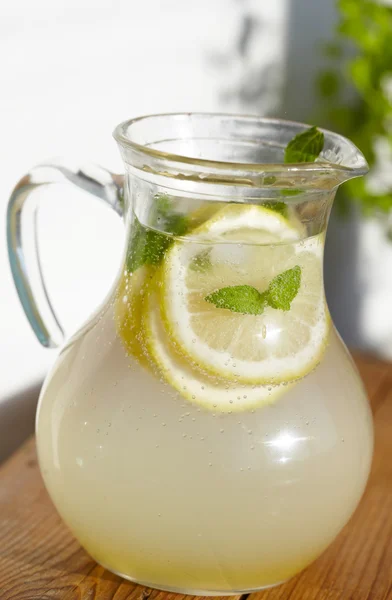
{"x":249,"y":246}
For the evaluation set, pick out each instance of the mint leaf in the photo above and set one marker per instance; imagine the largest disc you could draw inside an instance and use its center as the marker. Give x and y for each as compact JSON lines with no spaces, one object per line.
{"x":243,"y":299}
{"x":202,"y":261}
{"x":163,"y":204}
{"x":279,"y":207}
{"x":247,"y":300}
{"x":305,"y":147}
{"x":147,"y":246}
{"x":284,"y":288}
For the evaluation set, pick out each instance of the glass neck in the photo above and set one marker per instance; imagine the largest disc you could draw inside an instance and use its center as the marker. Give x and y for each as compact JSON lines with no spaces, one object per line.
{"x":177,"y":210}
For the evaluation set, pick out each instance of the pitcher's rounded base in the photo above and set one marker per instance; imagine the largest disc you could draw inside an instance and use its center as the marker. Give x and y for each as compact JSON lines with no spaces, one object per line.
{"x":191,"y":592}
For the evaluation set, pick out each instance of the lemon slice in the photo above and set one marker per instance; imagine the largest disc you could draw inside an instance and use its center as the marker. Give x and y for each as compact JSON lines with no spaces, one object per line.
{"x":200,"y":388}
{"x":128,"y":306}
{"x":245,"y":245}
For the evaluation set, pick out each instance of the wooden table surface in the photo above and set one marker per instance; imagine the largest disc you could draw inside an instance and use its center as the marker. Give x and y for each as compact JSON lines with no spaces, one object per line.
{"x":40,"y":560}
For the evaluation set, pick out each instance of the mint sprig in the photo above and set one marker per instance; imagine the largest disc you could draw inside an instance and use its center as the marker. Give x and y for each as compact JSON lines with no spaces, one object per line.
{"x":243,"y":299}
{"x":284,"y":288}
{"x":279,"y":207}
{"x":305,"y":147}
{"x":247,"y":300}
{"x":147,"y":246}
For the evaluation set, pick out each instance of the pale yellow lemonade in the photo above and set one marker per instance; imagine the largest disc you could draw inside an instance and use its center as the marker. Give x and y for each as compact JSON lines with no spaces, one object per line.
{"x":196,"y":446}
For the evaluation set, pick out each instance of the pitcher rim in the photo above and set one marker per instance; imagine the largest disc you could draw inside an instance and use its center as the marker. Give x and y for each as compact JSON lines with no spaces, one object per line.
{"x":360,"y":166}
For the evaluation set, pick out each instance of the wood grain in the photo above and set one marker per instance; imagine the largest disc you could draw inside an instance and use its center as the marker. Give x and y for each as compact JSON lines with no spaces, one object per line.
{"x":40,"y":560}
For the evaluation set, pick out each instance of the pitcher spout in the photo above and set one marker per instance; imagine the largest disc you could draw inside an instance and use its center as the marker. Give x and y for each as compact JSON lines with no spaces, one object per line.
{"x":227,"y":150}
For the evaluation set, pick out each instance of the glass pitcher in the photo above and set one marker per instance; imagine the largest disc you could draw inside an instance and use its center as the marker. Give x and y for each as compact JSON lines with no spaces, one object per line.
{"x":206,"y":432}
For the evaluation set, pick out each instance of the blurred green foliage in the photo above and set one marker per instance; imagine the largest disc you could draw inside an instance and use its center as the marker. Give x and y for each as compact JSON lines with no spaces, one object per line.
{"x":364,"y":32}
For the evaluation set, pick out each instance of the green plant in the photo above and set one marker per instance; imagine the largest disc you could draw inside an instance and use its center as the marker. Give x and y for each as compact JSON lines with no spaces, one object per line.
{"x":364,"y":32}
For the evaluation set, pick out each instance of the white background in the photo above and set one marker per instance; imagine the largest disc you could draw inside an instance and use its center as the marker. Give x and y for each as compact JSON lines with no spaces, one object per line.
{"x":72,"y":69}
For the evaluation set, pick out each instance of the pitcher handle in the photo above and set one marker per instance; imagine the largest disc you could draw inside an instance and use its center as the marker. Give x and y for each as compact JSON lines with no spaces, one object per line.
{"x":22,"y":237}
